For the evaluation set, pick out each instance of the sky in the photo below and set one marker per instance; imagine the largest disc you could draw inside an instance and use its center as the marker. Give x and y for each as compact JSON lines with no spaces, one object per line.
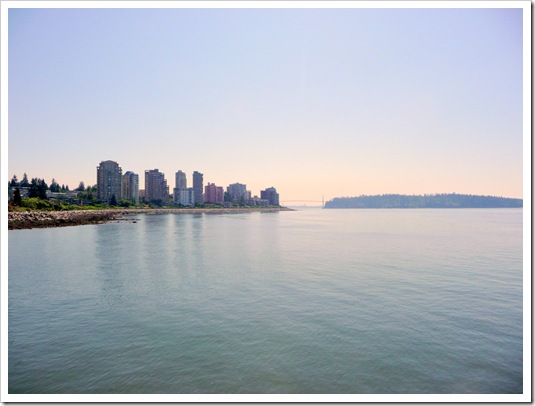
{"x":319,"y":103}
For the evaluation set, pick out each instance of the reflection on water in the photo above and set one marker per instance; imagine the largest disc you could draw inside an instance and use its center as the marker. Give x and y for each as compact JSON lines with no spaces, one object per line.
{"x":110,"y":248}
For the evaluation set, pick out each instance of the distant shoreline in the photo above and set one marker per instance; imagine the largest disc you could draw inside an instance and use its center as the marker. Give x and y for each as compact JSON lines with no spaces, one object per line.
{"x":24,"y":220}
{"x":437,"y":201}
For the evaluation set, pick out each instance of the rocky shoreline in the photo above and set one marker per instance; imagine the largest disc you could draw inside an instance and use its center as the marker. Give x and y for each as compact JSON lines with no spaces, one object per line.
{"x":43,"y":219}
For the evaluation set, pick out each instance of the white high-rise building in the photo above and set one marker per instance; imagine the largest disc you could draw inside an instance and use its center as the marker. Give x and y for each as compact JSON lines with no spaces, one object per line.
{"x":180,"y":180}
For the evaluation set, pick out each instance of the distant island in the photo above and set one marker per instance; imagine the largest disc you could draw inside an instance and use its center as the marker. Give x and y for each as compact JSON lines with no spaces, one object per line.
{"x":446,"y":201}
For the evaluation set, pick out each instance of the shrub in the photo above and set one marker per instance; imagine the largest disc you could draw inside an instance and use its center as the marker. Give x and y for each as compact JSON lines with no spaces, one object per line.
{"x":35,"y":203}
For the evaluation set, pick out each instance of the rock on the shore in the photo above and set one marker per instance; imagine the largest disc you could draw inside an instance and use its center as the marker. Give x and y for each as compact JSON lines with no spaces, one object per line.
{"x":41,"y":219}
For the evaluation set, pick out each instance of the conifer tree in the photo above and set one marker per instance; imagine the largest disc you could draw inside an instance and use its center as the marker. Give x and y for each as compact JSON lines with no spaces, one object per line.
{"x":17,"y":199}
{"x":14,"y":182}
{"x":33,"y":192}
{"x":24,"y":182}
{"x":42,"y":188}
{"x":54,"y":186}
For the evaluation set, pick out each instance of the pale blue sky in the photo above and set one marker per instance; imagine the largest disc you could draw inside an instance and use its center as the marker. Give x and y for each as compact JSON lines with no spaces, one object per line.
{"x":334,"y":102}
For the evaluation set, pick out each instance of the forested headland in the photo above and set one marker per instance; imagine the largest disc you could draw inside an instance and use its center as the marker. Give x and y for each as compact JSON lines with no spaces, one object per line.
{"x":393,"y":201}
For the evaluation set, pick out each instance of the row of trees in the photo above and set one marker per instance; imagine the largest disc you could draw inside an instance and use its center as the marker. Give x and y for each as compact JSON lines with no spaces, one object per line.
{"x":54,"y":186}
{"x":445,"y":200}
{"x":37,"y":188}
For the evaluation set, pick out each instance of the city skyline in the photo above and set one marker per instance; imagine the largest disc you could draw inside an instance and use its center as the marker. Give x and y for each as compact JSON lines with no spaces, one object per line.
{"x":319,"y":102}
{"x":113,"y":186}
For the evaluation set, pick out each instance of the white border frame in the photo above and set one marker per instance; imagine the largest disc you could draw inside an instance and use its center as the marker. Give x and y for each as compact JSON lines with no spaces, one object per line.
{"x":525,"y":397}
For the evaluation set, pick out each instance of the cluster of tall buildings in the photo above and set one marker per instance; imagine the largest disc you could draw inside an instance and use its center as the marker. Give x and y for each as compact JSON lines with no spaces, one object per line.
{"x":111,"y":183}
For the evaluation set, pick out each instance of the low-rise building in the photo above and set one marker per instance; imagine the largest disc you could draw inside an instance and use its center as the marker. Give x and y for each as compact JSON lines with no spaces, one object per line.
{"x":184,"y":197}
{"x":256,"y":201}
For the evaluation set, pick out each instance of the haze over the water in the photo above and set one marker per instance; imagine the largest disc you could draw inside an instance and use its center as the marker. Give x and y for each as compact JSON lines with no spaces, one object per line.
{"x":333,"y":102}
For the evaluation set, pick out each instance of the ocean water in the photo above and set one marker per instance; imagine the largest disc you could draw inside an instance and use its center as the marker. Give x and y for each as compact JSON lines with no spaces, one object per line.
{"x":310,"y":301}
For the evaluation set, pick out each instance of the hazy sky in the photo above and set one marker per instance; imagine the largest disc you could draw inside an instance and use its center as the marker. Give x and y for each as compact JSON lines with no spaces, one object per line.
{"x":333,"y":102}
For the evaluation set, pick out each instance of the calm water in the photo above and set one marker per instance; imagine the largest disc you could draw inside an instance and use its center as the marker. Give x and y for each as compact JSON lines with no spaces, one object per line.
{"x":312,"y":301}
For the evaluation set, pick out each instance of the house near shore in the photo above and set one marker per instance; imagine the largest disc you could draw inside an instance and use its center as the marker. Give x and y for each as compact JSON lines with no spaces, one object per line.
{"x":62,"y":196}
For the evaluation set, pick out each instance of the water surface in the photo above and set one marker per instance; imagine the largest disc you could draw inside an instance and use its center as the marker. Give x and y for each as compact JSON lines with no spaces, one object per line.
{"x":311,"y":301}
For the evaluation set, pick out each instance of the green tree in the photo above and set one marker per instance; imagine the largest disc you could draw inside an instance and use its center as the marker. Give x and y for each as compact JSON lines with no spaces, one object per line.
{"x":87,"y":195}
{"x":38,"y":188}
{"x":54,"y":186}
{"x":41,"y":189}
{"x":14,"y":182}
{"x":113,"y":200}
{"x":24,"y":182}
{"x":81,"y":186}
{"x":17,"y":199}
{"x":33,"y":188}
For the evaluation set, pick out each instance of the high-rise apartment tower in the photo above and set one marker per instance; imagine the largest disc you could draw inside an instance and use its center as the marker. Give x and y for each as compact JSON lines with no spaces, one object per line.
{"x":180,"y":180}
{"x":271,"y":195}
{"x":213,"y":194}
{"x":109,"y":179}
{"x":156,"y":186}
{"x":130,"y":189}
{"x":198,"y":187}
{"x":237,"y":192}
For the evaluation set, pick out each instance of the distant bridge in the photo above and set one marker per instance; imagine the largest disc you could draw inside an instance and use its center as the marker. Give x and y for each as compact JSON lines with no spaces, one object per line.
{"x":285,"y":202}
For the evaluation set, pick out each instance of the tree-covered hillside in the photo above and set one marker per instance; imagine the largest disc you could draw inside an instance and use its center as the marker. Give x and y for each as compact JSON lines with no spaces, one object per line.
{"x":452,"y":200}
